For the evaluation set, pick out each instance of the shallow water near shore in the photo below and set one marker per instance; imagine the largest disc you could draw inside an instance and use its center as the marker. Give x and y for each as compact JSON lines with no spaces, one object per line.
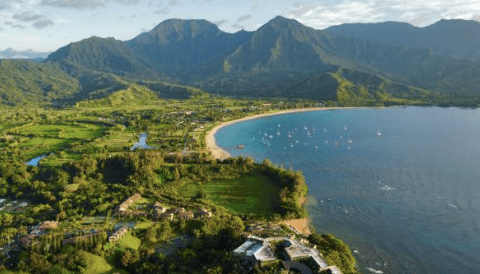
{"x":400,"y":186}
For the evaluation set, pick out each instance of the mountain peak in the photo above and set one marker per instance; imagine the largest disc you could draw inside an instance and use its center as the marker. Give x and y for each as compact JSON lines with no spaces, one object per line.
{"x":185,"y":28}
{"x":282,"y":21}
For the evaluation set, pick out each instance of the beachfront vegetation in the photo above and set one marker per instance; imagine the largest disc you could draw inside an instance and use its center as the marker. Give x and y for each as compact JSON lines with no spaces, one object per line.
{"x":335,"y":251}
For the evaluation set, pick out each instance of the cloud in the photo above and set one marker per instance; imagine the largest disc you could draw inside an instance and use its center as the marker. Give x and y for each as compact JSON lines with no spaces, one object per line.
{"x":419,"y":13}
{"x":18,"y":26}
{"x":221,"y":22}
{"x":237,"y":26}
{"x":85,"y":4}
{"x":244,"y":17}
{"x":163,"y":11}
{"x":127,"y":2}
{"x":74,"y":4}
{"x":40,"y":24}
{"x":27,"y":16}
{"x":13,"y":25}
{"x":302,"y":11}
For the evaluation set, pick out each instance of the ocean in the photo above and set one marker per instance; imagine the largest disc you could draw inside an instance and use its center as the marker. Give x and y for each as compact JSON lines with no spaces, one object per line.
{"x":400,"y":185}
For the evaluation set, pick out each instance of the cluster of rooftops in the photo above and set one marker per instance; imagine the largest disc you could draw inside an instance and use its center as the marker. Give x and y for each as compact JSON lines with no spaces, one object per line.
{"x":162,"y":212}
{"x":259,"y":250}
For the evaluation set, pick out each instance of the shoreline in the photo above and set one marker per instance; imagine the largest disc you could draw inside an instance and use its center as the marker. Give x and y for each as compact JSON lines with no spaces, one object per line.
{"x":221,"y":154}
{"x":303,"y":225}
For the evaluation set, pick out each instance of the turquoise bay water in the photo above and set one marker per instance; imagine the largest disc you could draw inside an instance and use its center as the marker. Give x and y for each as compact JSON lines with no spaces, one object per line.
{"x":401,"y":186}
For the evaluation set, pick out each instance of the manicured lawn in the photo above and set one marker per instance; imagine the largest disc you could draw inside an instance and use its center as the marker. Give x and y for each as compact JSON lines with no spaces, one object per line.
{"x":130,"y":241}
{"x":120,"y":139}
{"x":98,"y":265}
{"x":95,"y":264}
{"x":190,"y":190}
{"x":59,"y":160}
{"x":41,"y":146}
{"x":144,"y":225}
{"x":80,"y":131}
{"x":246,"y":194}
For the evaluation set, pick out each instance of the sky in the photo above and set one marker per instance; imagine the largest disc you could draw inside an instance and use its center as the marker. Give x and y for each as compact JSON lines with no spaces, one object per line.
{"x":46,"y":25}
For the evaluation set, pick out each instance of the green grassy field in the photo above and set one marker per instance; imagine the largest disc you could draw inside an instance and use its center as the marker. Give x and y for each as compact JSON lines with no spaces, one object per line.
{"x":247,"y":194}
{"x":80,"y":131}
{"x":39,"y":140}
{"x":41,"y":146}
{"x":60,"y":160}
{"x":98,"y":265}
{"x":130,"y":241}
{"x":118,"y":140}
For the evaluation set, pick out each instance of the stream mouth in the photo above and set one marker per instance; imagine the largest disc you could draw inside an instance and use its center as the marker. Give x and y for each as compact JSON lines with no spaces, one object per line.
{"x":35,"y":161}
{"x":142,"y":143}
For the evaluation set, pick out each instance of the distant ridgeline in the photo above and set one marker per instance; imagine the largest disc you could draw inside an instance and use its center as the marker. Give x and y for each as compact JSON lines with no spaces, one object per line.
{"x":354,"y":64}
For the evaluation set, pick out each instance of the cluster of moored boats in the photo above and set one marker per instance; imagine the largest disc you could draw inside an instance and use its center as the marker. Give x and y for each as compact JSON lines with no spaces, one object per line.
{"x":267,"y":137}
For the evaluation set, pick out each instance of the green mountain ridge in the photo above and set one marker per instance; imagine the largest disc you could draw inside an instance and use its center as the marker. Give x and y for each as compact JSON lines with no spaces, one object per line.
{"x":283,"y":58}
{"x":455,"y":38}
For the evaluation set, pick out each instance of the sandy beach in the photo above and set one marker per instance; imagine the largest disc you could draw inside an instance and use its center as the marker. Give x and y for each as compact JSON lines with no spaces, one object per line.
{"x":221,"y":154}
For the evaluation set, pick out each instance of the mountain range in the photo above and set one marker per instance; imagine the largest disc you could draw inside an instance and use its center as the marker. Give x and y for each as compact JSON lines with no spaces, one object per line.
{"x":23,"y":54}
{"x":283,"y":58}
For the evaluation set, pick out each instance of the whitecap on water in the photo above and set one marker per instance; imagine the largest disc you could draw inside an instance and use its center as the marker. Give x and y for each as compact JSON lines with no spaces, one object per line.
{"x":374,"y":270}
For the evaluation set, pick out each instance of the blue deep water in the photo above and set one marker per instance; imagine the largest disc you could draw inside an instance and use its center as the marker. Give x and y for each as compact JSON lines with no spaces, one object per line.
{"x":400,"y":185}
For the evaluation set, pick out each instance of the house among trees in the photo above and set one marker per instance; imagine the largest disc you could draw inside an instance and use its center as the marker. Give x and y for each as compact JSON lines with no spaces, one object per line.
{"x":186,"y":215}
{"x":117,"y":235}
{"x":27,"y":240}
{"x":158,"y":210}
{"x":44,"y":227}
{"x":179,"y":210}
{"x":203,"y":213}
{"x":128,"y":202}
{"x":167,"y":216}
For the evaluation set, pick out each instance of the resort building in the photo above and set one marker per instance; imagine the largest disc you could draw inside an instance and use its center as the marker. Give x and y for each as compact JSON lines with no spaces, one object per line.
{"x":203,"y":213}
{"x":294,"y":251}
{"x":330,"y":270}
{"x":167,"y":216}
{"x":179,"y":210}
{"x":187,"y":215}
{"x":256,"y":250}
{"x":117,"y":235}
{"x":158,"y":210}
{"x":44,"y":227}
{"x":125,"y":205}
